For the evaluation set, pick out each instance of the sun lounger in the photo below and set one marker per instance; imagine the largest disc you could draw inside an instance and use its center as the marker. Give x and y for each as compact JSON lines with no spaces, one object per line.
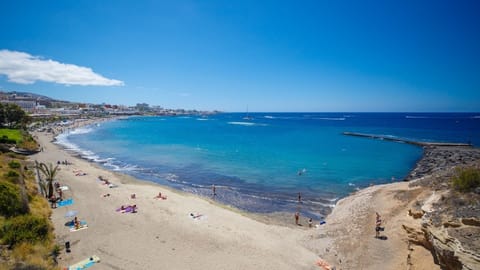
{"x":85,"y":263}
{"x":65,"y":202}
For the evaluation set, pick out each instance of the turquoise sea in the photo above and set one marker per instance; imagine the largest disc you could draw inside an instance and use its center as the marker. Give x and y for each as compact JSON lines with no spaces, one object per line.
{"x":261,"y":164}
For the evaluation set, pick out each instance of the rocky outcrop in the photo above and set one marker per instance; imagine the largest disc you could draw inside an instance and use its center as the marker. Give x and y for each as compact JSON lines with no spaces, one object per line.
{"x":471,"y":222}
{"x":447,"y":249}
{"x":455,"y":244}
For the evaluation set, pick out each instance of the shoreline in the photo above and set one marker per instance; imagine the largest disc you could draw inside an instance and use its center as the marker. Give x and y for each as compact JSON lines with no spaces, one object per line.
{"x":244,"y":198}
{"x":134,"y":241}
{"x":282,"y":245}
{"x":426,"y":164}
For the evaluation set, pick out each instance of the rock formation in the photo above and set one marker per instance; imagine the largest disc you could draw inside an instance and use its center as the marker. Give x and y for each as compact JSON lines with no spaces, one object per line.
{"x":450,"y":228}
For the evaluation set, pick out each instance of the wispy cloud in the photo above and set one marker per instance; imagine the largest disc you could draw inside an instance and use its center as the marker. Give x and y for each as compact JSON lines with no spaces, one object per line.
{"x":24,"y":68}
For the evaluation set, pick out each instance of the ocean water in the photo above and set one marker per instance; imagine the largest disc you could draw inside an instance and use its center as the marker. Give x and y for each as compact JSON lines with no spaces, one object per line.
{"x":261,"y":165}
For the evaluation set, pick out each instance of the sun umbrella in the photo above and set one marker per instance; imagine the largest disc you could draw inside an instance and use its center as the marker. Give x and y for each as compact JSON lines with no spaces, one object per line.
{"x":71,"y":213}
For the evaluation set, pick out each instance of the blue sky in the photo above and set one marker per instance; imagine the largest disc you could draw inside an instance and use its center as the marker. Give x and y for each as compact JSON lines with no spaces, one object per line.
{"x":268,"y":55}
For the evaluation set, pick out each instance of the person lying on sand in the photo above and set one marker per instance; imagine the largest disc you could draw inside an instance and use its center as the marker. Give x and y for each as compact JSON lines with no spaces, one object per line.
{"x":324,"y":265}
{"x":159,"y":196}
{"x":195,"y":216}
{"x":127,"y":209}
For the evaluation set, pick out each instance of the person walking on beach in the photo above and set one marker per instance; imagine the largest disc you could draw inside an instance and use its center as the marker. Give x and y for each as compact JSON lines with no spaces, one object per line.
{"x":378,"y":224}
{"x":297,"y":217}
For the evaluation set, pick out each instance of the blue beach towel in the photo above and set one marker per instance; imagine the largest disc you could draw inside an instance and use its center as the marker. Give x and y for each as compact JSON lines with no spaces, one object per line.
{"x":65,"y":202}
{"x":87,"y":263}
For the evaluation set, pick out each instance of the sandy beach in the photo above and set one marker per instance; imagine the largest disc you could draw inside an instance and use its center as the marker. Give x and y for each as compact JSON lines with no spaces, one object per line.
{"x":162,"y":234}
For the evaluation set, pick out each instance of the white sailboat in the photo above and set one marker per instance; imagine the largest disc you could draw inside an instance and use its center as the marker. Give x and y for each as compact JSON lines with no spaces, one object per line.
{"x":247,"y":116}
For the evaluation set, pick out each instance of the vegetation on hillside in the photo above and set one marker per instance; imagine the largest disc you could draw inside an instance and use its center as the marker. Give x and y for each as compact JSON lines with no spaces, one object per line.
{"x":12,"y":116}
{"x":13,"y":122}
{"x":26,"y":234}
{"x":466,"y":179}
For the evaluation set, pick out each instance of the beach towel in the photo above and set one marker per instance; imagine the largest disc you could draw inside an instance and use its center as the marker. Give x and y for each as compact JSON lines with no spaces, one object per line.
{"x":63,"y":188}
{"x":112,"y":186}
{"x":321,"y":223}
{"x":82,"y":227}
{"x":84,"y":264}
{"x":65,"y":202}
{"x":128,"y":209}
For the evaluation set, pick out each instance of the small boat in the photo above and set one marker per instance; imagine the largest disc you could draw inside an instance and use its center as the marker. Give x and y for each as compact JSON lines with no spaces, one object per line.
{"x":247,"y":116}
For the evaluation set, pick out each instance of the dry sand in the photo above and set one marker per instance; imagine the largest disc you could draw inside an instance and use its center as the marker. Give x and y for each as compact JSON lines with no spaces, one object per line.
{"x":162,"y":235}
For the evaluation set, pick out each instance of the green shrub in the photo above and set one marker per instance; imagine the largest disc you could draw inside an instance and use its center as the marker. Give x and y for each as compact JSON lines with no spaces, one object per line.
{"x":5,"y":139}
{"x":467,"y":179}
{"x":14,"y":164}
{"x":12,"y":175}
{"x":24,"y":228}
{"x":10,"y":201}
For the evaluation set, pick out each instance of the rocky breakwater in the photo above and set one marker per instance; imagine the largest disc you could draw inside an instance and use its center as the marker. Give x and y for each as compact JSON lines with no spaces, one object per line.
{"x":445,"y":221}
{"x":441,"y":160}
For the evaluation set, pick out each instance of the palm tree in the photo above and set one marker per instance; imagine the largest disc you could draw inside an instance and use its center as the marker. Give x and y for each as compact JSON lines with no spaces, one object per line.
{"x":50,"y":173}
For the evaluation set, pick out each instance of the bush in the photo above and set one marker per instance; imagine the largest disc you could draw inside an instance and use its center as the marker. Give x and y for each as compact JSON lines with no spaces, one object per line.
{"x":5,"y":139}
{"x":467,"y":179}
{"x":12,"y":175}
{"x":10,"y":201}
{"x":14,"y":164}
{"x":25,"y":228}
